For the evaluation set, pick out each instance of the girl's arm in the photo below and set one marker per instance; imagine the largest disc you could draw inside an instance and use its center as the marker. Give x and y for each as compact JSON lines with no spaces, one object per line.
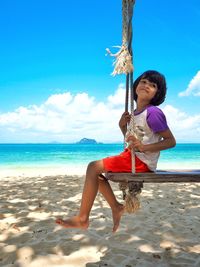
{"x":168,"y":141}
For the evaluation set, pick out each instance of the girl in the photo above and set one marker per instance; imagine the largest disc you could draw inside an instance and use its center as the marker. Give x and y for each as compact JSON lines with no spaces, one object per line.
{"x":149,"y":92}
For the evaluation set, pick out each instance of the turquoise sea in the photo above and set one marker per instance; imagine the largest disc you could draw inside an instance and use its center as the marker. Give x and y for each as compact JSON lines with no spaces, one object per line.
{"x":77,"y":156}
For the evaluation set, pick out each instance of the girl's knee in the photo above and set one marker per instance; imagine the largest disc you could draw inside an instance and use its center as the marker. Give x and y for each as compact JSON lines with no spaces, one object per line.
{"x":96,"y":166}
{"x":93,"y":165}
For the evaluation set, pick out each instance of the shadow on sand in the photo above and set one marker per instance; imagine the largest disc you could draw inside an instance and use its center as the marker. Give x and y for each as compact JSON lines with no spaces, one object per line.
{"x":165,"y":232}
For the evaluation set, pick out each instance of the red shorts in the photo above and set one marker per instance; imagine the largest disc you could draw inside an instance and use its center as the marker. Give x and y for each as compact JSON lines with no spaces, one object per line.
{"x":123,"y":163}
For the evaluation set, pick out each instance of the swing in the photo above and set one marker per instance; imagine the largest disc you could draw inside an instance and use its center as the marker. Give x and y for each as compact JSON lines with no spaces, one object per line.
{"x":133,"y":182}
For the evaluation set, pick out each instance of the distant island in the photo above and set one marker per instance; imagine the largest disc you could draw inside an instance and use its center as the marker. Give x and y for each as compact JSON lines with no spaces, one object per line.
{"x":87,"y":141}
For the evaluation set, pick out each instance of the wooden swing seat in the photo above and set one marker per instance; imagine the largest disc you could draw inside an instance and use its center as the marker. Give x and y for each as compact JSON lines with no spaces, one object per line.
{"x":160,"y":176}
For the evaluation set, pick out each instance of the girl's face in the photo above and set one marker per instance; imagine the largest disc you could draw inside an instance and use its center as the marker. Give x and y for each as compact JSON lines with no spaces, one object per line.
{"x":146,"y":90}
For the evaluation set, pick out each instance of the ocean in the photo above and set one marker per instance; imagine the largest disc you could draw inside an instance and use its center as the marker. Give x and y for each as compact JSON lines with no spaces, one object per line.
{"x":75,"y":157}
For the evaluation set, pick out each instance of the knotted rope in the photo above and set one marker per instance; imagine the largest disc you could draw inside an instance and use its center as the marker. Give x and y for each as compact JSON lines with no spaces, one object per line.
{"x":124,"y":64}
{"x":131,"y":191}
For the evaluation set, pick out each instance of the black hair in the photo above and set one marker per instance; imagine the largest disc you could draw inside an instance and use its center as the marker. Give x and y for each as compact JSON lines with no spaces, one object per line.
{"x":157,"y":78}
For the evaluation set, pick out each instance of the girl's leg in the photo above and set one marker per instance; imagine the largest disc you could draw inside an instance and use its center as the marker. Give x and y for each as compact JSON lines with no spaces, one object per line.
{"x":91,"y":187}
{"x":89,"y":193}
{"x":117,"y":208}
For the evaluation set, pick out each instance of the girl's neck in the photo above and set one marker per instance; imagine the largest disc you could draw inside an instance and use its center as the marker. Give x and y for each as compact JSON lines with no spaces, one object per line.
{"x":141,"y":106}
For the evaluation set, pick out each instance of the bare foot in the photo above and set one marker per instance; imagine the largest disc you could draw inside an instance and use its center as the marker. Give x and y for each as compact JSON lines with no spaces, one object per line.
{"x":74,"y":222}
{"x":117,"y":213}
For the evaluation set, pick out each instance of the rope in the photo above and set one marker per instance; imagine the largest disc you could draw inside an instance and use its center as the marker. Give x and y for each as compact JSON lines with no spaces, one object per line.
{"x":127,"y":12}
{"x":131,"y":191}
{"x":123,"y":58}
{"x":124,"y":64}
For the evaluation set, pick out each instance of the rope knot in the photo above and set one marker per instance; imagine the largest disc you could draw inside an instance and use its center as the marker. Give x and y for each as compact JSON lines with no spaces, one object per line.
{"x":123,"y":62}
{"x":131,"y":191}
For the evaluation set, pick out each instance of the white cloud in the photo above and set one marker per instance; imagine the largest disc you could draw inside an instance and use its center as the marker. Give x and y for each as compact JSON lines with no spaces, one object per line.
{"x":184,"y":126}
{"x":118,"y":98}
{"x":68,"y":118}
{"x":193,"y":87}
{"x":59,"y":101}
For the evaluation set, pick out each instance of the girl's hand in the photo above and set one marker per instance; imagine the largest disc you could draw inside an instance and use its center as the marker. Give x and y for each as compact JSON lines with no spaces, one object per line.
{"x":125,"y":118}
{"x":135,"y":144}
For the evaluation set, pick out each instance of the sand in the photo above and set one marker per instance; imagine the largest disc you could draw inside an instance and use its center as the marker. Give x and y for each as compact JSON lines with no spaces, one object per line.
{"x":164,"y":232}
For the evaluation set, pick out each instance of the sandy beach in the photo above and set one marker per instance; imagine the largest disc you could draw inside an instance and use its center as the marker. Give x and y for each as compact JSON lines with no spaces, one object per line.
{"x":164,"y":232}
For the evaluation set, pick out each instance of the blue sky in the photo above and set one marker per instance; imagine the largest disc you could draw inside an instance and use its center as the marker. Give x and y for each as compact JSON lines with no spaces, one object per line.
{"x":55,"y":82}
